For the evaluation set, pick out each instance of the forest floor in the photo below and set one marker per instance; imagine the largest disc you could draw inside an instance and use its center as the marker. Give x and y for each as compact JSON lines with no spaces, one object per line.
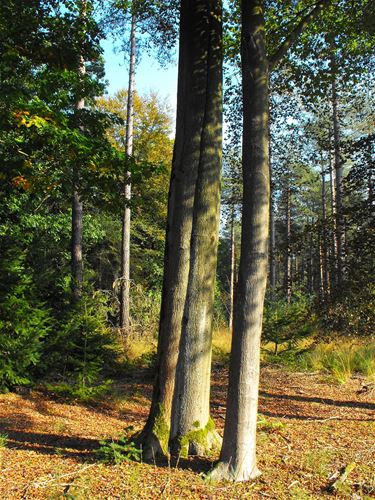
{"x":310,"y":430}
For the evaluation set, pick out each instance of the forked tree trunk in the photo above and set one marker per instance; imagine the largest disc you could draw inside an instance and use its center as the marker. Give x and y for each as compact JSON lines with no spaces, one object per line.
{"x":192,"y":430}
{"x":125,"y":241}
{"x":189,"y":159}
{"x":237,"y":459}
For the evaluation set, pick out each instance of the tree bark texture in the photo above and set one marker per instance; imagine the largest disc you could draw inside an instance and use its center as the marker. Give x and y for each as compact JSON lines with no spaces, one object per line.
{"x":192,"y":430}
{"x":195,"y":144}
{"x":231,"y":271}
{"x":77,"y":215}
{"x":339,"y":188}
{"x":288,"y":257}
{"x":237,"y":459}
{"x":126,"y":218}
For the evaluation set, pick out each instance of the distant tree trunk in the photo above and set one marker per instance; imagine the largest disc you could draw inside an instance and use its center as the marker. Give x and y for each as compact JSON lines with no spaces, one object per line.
{"x":288,"y":257}
{"x":333,"y":248}
{"x":231,"y":271}
{"x":192,"y":429}
{"x":325,"y":272}
{"x":193,"y":132}
{"x":272,"y":245}
{"x":237,"y":459}
{"x":77,"y":206}
{"x":310,"y":266}
{"x":125,"y":242}
{"x":340,"y":229}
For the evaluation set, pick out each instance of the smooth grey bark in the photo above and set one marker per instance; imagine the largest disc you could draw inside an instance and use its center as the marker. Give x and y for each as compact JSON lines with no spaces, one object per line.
{"x":126,"y":218}
{"x":188,"y":160}
{"x":238,"y":459}
{"x":192,"y":430}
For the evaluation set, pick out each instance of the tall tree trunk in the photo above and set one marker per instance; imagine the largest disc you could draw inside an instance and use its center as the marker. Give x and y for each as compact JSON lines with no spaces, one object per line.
{"x":333,"y":248}
{"x":125,"y":242}
{"x":310,"y":265}
{"x":339,"y":188}
{"x":272,"y":250}
{"x":237,"y":459}
{"x":325,"y":272}
{"x":192,"y":429}
{"x":288,"y":257}
{"x":188,"y":159}
{"x":77,"y":208}
{"x":231,"y":271}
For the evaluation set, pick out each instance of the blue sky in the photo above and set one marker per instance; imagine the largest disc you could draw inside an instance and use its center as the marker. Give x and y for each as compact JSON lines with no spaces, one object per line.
{"x":149,"y":76}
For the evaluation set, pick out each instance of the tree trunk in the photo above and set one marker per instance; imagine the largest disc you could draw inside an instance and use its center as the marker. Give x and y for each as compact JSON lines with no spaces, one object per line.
{"x":325,"y":272}
{"x":272,"y":229}
{"x":333,"y":248}
{"x":188,"y":159}
{"x":288,"y":257}
{"x":237,"y":459}
{"x":231,"y":272}
{"x":77,"y":211}
{"x":125,"y":242}
{"x":340,"y":230}
{"x":192,"y":430}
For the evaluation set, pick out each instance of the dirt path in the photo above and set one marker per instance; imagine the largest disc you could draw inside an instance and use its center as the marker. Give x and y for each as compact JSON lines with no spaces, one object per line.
{"x":309,"y":431}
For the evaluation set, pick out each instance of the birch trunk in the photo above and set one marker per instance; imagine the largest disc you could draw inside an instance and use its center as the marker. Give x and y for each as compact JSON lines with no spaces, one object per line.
{"x":126,"y":218}
{"x":237,"y":459}
{"x":187,"y":161}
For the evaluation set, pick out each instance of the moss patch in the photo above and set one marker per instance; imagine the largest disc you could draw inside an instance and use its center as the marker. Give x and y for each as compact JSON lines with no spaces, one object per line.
{"x":198,"y":437}
{"x":161,"y":429}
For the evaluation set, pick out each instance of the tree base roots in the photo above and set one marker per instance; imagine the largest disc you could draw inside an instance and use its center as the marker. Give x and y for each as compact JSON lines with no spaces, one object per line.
{"x":224,"y":471}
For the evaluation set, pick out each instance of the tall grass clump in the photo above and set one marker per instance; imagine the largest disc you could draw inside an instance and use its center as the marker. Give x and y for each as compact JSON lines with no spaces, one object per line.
{"x":341,"y":362}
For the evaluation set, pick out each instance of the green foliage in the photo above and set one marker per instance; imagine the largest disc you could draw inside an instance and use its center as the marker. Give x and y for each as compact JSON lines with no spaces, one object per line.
{"x":80,"y":348}
{"x":353,"y":313}
{"x":285,"y":322}
{"x":3,"y":440}
{"x":24,"y":323}
{"x":81,"y":392}
{"x":123,"y":449}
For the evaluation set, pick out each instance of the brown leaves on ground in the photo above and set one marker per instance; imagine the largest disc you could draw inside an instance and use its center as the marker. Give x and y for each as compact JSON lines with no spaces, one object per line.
{"x":309,"y":431}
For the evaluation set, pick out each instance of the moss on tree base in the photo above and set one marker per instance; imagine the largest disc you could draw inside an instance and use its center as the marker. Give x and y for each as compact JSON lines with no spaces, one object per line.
{"x":197,"y":442}
{"x":154,"y":439}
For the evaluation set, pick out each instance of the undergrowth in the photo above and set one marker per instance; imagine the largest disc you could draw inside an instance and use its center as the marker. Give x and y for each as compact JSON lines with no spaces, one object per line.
{"x":339,"y":361}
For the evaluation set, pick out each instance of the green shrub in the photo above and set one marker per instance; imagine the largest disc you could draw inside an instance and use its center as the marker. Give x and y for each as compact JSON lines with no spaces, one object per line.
{"x":288,"y":323}
{"x":79,"y":350}
{"x":24,"y":323}
{"x":120,"y":450}
{"x":353,"y":314}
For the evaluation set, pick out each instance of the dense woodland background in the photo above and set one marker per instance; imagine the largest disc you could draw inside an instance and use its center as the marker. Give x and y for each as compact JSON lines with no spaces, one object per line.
{"x":321,"y":265}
